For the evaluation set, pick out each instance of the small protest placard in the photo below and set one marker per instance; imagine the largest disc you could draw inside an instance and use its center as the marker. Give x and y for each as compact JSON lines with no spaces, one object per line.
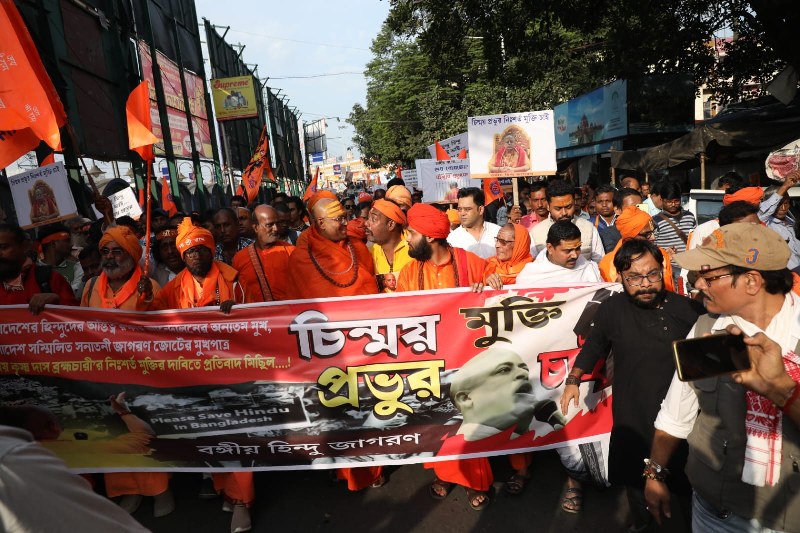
{"x":42,"y":196}
{"x":512,"y":145}
{"x":441,"y":180}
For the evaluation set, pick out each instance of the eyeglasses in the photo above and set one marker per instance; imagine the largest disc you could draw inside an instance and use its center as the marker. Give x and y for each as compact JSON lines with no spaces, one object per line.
{"x":116,"y":252}
{"x":648,"y":234}
{"x":709,"y":279}
{"x":637,"y":280}
{"x":673,"y":201}
{"x":349,"y":207}
{"x":341,"y":220}
{"x":503,"y":241}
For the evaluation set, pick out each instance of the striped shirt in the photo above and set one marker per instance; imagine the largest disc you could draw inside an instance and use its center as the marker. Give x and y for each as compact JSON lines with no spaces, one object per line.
{"x":667,"y":235}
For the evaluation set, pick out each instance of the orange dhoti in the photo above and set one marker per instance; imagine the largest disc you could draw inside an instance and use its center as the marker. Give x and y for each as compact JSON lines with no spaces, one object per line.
{"x":475,"y":474}
{"x":360,"y":478}
{"x":236,"y":487}
{"x":144,"y":483}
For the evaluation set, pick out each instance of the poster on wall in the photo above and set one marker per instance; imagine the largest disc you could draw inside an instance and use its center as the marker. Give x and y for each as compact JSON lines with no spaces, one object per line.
{"x":593,"y":117}
{"x":234,"y":98}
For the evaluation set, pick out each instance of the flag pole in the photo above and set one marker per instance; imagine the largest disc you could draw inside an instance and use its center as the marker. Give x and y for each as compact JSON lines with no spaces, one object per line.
{"x":148,"y":203}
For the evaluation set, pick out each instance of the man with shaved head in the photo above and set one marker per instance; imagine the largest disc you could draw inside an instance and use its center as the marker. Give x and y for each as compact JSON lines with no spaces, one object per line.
{"x":328,"y":263}
{"x":264,"y":265}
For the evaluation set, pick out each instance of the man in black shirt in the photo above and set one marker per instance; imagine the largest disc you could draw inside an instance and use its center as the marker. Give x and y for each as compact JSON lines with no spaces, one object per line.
{"x":638,"y":326}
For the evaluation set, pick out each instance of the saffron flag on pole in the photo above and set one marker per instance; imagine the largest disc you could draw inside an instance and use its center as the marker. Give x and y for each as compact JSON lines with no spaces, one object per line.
{"x":48,"y":160}
{"x":257,"y":168}
{"x":140,"y":125}
{"x":312,"y":186}
{"x":463,"y":154}
{"x":167,"y":202}
{"x":441,"y":153}
{"x":30,"y":109}
{"x":491,"y":190}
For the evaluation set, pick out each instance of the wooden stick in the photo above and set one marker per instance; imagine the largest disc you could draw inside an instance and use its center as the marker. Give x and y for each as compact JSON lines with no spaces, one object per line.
{"x":147,"y":220}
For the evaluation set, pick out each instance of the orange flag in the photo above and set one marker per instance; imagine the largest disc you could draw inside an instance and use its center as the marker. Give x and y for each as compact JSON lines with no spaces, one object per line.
{"x":491,"y":190}
{"x":441,"y":153}
{"x":398,"y":172}
{"x":49,"y":160}
{"x":257,"y":168}
{"x":30,"y":109}
{"x":140,"y":125}
{"x":167,"y":202}
{"x":462,"y":154}
{"x":311,"y":190}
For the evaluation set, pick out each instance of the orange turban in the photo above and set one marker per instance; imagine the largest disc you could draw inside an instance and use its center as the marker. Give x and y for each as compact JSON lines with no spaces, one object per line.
{"x":399,"y":194}
{"x":391,"y":210}
{"x":125,"y":239}
{"x":632,"y":221}
{"x":320,"y":195}
{"x":751,"y":195}
{"x":429,"y":221}
{"x":190,"y":236}
{"x":452,"y":216}
{"x":356,"y":230}
{"x":364,"y":197}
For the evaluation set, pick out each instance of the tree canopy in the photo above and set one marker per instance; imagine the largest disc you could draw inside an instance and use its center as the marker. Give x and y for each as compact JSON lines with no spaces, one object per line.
{"x":436,"y":63}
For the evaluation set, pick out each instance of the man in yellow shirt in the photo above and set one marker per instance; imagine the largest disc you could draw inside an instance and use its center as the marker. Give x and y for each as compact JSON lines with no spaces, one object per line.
{"x":385,"y":228}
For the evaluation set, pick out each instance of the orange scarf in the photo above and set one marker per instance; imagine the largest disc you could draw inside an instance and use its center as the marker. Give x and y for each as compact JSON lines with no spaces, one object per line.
{"x":217,"y":287}
{"x":120,"y":297}
{"x":520,"y":256}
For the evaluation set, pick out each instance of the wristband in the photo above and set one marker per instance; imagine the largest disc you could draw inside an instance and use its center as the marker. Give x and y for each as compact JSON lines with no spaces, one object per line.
{"x":572,"y":380}
{"x":654,"y":471}
{"x":791,"y":399}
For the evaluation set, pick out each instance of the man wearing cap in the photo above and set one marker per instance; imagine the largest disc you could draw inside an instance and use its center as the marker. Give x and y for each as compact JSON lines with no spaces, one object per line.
{"x":743,"y":429}
{"x":633,"y":223}
{"x":56,"y":252}
{"x":264,"y":265}
{"x":733,"y":193}
{"x":328,"y":263}
{"x":22,"y":281}
{"x":475,"y":234}
{"x":168,"y":262}
{"x":638,"y":326}
{"x":385,"y":228}
{"x":437,"y":265}
{"x":401,"y":196}
{"x":208,"y":282}
{"x":775,"y":213}
{"x":122,"y":285}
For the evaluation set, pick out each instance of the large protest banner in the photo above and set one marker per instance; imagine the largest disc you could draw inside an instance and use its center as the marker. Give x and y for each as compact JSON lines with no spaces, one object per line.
{"x":512,"y":145}
{"x":441,"y":180}
{"x":387,"y":379}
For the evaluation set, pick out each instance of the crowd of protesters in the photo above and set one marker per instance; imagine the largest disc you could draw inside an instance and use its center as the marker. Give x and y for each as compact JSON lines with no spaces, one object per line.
{"x":716,"y":455}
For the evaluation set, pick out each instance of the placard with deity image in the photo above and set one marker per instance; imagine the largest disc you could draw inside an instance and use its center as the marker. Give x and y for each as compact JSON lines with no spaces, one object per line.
{"x":42,"y":196}
{"x":512,"y":145}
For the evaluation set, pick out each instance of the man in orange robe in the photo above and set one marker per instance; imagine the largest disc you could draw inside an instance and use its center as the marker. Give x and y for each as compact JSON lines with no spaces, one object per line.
{"x":437,"y":265}
{"x":264,"y":265}
{"x":121,"y":285}
{"x":206,"y":282}
{"x":328,"y":263}
{"x":633,"y":223}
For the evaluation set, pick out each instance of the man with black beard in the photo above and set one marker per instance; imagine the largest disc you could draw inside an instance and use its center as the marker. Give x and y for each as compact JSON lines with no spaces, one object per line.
{"x":22,"y":281}
{"x":638,"y":326}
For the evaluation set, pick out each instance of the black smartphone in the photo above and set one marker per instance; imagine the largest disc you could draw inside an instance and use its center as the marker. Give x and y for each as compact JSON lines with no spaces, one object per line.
{"x":710,"y":356}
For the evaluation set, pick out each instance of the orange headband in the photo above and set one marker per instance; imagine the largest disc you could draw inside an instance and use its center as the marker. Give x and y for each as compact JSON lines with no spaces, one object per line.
{"x":54,"y":237}
{"x":391,"y":210}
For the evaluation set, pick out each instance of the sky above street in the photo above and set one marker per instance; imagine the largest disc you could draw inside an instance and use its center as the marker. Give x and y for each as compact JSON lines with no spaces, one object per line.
{"x":306,"y":38}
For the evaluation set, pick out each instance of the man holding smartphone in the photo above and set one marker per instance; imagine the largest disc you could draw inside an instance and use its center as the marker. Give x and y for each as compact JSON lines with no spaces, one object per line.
{"x":743,"y":429}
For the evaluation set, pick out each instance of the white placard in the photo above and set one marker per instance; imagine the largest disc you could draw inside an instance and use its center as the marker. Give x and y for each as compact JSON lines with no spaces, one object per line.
{"x":125,"y":203}
{"x":512,"y":145}
{"x":409,"y":176}
{"x":42,"y":196}
{"x":452,"y":145}
{"x":441,"y":180}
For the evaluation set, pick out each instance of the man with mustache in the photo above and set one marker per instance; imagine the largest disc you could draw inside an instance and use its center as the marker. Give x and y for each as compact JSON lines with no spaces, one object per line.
{"x":437,"y":265}
{"x":122,"y":285}
{"x":561,"y":260}
{"x":638,"y":326}
{"x":264,"y":265}
{"x":385,"y":227}
{"x":209,"y":282}
{"x":23,"y":282}
{"x":167,"y":257}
